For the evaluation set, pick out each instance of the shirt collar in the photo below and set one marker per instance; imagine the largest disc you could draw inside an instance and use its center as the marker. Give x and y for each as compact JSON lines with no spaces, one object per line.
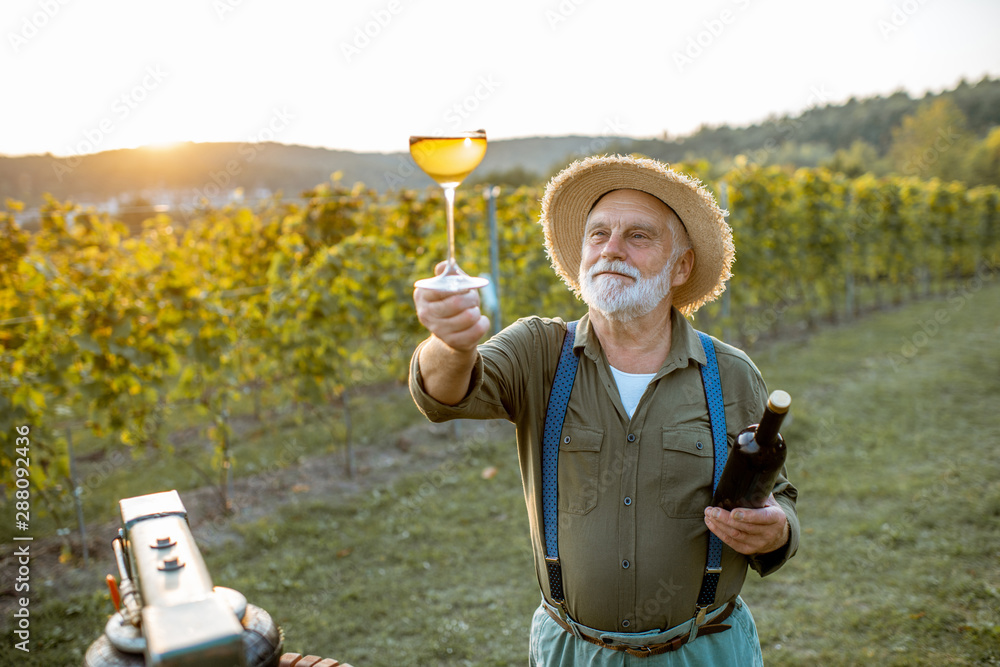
{"x":584,"y":338}
{"x":684,"y":343}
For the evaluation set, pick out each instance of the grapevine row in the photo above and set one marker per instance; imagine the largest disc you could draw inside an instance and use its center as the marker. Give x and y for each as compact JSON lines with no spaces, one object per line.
{"x":313,"y":296}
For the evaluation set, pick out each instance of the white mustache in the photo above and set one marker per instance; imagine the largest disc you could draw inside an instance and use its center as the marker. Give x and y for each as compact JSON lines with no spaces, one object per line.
{"x":613,"y":266}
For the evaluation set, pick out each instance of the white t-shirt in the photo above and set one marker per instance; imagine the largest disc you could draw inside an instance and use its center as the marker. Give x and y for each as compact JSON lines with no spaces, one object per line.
{"x":631,"y":387}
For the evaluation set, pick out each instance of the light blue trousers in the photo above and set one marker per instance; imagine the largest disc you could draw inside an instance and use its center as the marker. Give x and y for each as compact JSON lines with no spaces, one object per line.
{"x":739,"y":646}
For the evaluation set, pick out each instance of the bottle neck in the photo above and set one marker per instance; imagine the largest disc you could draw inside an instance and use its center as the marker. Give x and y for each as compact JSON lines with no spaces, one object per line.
{"x":767,"y":431}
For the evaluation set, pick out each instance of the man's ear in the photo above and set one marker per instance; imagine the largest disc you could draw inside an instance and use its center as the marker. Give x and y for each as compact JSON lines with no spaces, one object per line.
{"x":683,"y":268}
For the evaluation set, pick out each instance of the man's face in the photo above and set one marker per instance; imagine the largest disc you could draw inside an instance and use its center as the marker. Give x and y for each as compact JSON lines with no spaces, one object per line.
{"x":625,"y":269}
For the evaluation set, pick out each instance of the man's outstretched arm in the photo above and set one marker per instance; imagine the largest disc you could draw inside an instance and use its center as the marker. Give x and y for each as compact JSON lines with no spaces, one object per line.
{"x":448,"y":357}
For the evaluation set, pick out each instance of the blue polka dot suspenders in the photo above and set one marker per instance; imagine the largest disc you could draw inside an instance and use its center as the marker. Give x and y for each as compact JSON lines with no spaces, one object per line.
{"x":717,"y":418}
{"x":555,"y":415}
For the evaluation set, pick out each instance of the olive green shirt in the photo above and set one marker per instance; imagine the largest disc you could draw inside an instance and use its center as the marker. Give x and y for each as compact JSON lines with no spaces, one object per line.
{"x":632,"y":492}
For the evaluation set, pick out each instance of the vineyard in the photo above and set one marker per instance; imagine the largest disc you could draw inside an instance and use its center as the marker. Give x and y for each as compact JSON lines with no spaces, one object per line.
{"x":296,"y":306}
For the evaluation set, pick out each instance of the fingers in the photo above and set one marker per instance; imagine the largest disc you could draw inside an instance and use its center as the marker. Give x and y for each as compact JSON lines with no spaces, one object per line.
{"x":454,"y":317}
{"x":725,"y":530}
{"x":446,"y":311}
{"x":761,"y":517}
{"x":749,"y":531}
{"x":467,"y":339}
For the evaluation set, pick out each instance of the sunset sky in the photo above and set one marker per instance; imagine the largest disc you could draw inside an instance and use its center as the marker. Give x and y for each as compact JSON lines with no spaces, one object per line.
{"x":85,"y":76}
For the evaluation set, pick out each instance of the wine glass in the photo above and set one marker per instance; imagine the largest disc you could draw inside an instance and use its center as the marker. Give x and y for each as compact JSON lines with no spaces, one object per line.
{"x":448,"y":159}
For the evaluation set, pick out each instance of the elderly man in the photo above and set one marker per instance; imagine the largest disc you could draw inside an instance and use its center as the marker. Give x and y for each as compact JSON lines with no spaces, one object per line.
{"x":615,"y":416}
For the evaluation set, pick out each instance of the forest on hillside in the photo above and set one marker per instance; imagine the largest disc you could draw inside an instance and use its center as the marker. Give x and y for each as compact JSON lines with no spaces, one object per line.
{"x":951,"y":135}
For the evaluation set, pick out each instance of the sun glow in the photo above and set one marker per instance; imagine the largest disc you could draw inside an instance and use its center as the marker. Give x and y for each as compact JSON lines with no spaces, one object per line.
{"x":163,"y":145}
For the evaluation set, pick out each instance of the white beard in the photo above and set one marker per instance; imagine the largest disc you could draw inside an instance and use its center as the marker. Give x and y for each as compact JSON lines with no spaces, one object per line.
{"x":617,"y":300}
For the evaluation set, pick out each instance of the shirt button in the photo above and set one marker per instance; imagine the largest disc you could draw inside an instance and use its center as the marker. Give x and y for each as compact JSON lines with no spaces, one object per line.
{"x":631,"y":437}
{"x":626,"y":623}
{"x":625,"y":564}
{"x":699,"y":445}
{"x":628,"y":501}
{"x":566,"y":439}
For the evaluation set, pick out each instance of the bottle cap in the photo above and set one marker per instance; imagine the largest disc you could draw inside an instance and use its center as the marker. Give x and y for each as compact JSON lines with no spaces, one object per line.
{"x":779,"y":402}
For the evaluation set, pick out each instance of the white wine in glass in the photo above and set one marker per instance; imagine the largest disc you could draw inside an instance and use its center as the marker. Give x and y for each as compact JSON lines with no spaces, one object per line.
{"x":448,"y":159}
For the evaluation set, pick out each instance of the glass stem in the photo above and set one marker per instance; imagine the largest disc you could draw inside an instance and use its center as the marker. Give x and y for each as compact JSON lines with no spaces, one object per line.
{"x":449,"y":197}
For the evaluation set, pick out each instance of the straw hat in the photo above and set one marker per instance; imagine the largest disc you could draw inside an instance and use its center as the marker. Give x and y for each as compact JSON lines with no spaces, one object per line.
{"x":571,"y":195}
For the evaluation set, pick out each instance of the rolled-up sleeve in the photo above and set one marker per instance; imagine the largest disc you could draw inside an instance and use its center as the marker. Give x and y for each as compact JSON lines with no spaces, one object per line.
{"x":433,"y":409}
{"x":501,"y":367}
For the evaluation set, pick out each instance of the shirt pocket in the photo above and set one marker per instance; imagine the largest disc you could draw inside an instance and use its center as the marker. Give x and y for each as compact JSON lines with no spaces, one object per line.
{"x":579,"y":468}
{"x":686,"y":471}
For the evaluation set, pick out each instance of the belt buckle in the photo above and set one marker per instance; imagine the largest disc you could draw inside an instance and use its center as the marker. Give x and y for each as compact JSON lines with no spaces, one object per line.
{"x":623,"y":645}
{"x":621,"y":642}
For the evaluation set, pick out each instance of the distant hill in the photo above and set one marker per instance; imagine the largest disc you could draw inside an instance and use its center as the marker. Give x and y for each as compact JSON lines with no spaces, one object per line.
{"x":832,"y":127}
{"x":189,"y":171}
{"x":210,"y":168}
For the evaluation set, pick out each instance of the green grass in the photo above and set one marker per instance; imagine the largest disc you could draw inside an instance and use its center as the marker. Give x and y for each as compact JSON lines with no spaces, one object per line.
{"x":436,"y":568}
{"x":107,"y":473}
{"x":893,"y":446}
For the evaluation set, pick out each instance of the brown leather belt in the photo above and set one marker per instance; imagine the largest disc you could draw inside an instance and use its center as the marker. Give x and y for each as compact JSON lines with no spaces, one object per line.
{"x":655,"y":649}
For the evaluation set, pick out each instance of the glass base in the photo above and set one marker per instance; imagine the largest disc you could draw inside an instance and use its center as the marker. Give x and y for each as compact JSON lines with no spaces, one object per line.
{"x":452,"y":282}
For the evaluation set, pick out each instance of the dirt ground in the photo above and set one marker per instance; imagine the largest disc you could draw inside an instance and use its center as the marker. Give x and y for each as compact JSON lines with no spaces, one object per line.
{"x":423,"y":447}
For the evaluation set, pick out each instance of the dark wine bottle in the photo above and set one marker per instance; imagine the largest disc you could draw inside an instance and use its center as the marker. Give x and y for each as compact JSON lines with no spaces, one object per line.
{"x":755,"y":460}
